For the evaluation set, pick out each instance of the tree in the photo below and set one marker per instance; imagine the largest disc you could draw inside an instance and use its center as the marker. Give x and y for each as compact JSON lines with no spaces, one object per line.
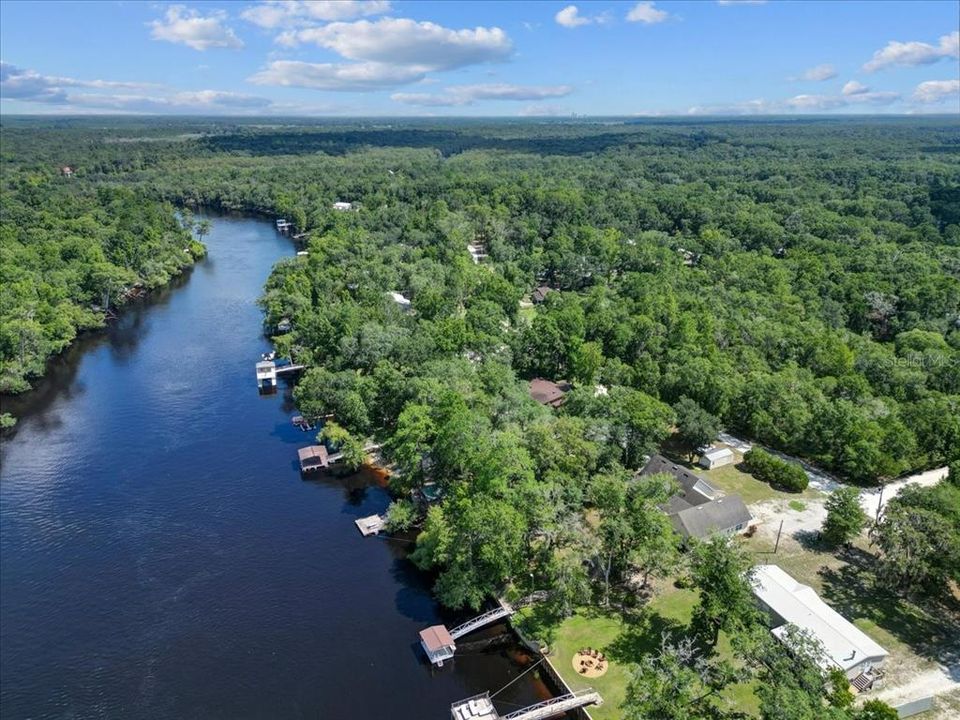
{"x":876,"y":710}
{"x":771,"y":469}
{"x":845,"y":517}
{"x":401,"y":515}
{"x":586,"y":361}
{"x":203,"y":229}
{"x":695,"y":426}
{"x":920,"y":546}
{"x":678,"y":683}
{"x":349,"y":446}
{"x":720,"y":570}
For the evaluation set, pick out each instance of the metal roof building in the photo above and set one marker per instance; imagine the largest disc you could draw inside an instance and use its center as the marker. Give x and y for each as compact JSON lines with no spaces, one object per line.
{"x":789,"y":602}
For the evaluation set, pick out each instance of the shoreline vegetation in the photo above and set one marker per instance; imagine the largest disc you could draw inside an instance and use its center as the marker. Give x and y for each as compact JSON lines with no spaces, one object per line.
{"x":796,"y":282}
{"x":74,"y":252}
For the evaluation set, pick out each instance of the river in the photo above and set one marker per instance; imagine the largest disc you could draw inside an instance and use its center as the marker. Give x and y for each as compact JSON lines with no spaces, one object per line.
{"x":161,"y":557}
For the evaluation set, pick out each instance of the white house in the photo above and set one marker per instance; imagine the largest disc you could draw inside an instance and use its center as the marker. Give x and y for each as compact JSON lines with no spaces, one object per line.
{"x":717,"y":457}
{"x":788,"y":602}
{"x":343,"y":206}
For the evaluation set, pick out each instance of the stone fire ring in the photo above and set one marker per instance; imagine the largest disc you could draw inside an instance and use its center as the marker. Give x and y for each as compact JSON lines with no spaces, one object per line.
{"x":593,"y":668}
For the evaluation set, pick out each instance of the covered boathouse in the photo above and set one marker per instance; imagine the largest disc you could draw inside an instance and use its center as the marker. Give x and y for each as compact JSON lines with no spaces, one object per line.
{"x":438,"y":644}
{"x":313,"y":458}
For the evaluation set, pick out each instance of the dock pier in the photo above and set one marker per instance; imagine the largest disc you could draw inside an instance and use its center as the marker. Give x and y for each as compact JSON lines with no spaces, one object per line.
{"x":268,"y":370}
{"x":370,"y":525}
{"x":439,"y":643}
{"x":480,"y":707}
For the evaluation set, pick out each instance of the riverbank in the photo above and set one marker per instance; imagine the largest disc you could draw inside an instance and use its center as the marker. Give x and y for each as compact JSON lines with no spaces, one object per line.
{"x":162,"y":556}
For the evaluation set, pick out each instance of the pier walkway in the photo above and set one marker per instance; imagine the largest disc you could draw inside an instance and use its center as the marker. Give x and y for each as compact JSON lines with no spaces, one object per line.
{"x":480,"y":707}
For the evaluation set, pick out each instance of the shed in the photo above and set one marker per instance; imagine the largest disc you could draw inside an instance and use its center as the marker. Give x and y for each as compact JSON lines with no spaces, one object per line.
{"x":788,"y":602}
{"x":313,"y":458}
{"x":547,"y":392}
{"x":717,"y":457}
{"x":437,"y":644}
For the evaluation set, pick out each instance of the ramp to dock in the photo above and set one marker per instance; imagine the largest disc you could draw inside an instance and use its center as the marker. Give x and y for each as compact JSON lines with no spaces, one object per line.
{"x":478,"y":622}
{"x":556,"y":706}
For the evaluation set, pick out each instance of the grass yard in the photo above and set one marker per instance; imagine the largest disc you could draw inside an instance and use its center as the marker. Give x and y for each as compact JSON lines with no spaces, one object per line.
{"x":731,"y":480}
{"x":624,"y":639}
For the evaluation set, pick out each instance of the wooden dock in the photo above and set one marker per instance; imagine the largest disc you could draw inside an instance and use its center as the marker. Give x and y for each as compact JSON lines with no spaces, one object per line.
{"x":370,"y":525}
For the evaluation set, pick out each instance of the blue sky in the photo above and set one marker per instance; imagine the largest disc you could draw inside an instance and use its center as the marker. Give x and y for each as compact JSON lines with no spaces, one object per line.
{"x":380,"y":57}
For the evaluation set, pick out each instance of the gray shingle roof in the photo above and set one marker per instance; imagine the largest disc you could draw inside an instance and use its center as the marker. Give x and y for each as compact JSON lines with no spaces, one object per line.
{"x":720,"y":515}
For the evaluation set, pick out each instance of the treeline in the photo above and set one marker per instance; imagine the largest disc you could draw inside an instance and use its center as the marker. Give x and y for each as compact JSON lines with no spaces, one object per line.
{"x":70,"y":251}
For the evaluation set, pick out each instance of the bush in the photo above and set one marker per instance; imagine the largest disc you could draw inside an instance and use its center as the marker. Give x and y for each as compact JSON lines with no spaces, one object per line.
{"x":778,"y":473}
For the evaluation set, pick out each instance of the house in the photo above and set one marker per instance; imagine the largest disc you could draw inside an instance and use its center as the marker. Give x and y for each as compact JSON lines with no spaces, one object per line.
{"x":402,"y":302}
{"x":843,"y":645}
{"x":547,"y":392}
{"x":66,"y":171}
{"x":725,"y":515}
{"x":540,"y":294}
{"x":437,"y":644}
{"x":698,"y":509}
{"x":342,"y":206}
{"x":717,"y":457}
{"x":313,"y":458}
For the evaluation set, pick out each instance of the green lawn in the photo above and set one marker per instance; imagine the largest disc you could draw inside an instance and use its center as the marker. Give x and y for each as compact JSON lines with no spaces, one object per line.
{"x":624,"y":639}
{"x":731,"y":480}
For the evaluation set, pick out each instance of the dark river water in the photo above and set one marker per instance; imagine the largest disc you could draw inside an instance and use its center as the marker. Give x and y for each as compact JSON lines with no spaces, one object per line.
{"x":161,"y":556}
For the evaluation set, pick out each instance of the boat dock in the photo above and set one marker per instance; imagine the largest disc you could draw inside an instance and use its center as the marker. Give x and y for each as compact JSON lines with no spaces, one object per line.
{"x":370,"y":525}
{"x":268,"y":370}
{"x":313,"y":458}
{"x":439,"y":643}
{"x":480,"y":707}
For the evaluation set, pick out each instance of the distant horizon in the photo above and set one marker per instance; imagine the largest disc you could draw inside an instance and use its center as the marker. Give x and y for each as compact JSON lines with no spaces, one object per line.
{"x":412,"y":58}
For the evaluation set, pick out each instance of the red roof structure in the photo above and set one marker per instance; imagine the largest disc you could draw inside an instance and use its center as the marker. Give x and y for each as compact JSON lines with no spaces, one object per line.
{"x":435,"y":638}
{"x":547,"y":392}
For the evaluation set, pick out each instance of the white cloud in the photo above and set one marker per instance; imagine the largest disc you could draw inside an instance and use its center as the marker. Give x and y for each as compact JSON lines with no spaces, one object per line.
{"x":458,"y":95}
{"x":934,"y":91}
{"x":401,"y":41}
{"x":826,"y":71}
{"x":799,"y":104}
{"x":570,"y":17}
{"x":32,"y":86}
{"x":832,"y":102}
{"x":915,"y":53}
{"x":187,"y":27}
{"x":118,"y":96}
{"x":854,"y":88}
{"x":295,"y":13}
{"x":646,"y":13}
{"x":541,"y":110}
{"x":350,"y":77}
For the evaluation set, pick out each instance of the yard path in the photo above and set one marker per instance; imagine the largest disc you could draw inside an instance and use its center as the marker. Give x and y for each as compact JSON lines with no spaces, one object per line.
{"x":937,"y":681}
{"x":869,"y":499}
{"x":810,"y":519}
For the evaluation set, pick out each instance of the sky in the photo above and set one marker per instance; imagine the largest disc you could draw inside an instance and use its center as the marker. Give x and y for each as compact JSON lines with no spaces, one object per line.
{"x":399,"y":58}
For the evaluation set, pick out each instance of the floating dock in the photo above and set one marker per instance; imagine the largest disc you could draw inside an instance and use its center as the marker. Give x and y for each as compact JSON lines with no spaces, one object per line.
{"x":480,"y":707}
{"x":439,"y":643}
{"x":370,"y":525}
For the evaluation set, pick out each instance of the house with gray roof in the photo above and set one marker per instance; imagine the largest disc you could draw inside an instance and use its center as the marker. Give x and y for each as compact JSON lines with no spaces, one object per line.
{"x":698,"y":509}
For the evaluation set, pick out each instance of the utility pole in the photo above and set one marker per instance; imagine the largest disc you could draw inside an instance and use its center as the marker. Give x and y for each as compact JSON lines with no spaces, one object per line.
{"x":777,"y":546}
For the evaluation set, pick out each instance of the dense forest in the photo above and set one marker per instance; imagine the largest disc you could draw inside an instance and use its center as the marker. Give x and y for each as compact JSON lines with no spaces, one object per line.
{"x":795,"y":282}
{"x":70,"y":251}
